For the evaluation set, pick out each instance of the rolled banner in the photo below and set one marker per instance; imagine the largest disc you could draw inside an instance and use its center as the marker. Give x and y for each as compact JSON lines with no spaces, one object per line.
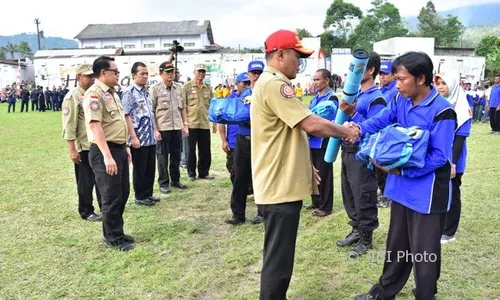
{"x":351,"y":89}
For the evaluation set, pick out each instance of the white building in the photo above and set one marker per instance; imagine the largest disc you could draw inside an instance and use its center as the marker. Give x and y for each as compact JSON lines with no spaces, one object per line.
{"x":149,"y":37}
{"x":12,"y":71}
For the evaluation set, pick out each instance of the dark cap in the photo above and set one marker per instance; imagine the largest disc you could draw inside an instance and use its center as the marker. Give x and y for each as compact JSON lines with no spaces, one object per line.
{"x":166,"y":66}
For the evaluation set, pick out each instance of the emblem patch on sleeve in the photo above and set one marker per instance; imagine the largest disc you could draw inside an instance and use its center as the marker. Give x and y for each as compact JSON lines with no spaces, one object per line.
{"x":65,"y":111}
{"x":287,"y":91}
{"x":94,"y":105}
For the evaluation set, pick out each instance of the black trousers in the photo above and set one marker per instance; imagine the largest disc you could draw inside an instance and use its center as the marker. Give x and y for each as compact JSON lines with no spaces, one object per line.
{"x":359,"y":191}
{"x":494,"y":119}
{"x":114,"y":190}
{"x":413,"y":241}
{"x":230,"y":164}
{"x":85,"y":182}
{"x":200,"y":137}
{"x":171,"y":145}
{"x":163,"y":178}
{"x":24,"y":104}
{"x":323,"y":201}
{"x":34,"y":105}
{"x":281,"y":222}
{"x":242,"y":176}
{"x":13,"y":105}
{"x":143,"y":173}
{"x":381,"y":179}
{"x":41,"y":105}
{"x":453,"y":216}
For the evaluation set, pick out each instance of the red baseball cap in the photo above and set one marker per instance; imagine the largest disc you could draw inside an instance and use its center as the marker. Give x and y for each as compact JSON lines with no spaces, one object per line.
{"x":286,"y":39}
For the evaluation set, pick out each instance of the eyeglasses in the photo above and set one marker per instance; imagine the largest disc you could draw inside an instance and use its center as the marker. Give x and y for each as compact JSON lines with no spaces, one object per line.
{"x":113,"y":70}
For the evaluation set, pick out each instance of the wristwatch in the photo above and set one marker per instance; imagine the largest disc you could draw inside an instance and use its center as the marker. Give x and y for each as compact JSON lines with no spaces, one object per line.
{"x":186,"y":123}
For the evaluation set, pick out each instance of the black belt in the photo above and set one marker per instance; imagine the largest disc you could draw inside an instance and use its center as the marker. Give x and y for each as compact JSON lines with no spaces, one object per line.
{"x":112,"y":145}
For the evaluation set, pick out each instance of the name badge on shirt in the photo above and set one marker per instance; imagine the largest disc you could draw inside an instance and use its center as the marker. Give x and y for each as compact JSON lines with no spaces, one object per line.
{"x":193,"y":91}
{"x":164,"y":93}
{"x":108,"y":96}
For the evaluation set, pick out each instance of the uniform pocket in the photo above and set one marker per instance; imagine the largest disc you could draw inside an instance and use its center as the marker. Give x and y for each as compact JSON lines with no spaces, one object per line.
{"x":163,"y":103}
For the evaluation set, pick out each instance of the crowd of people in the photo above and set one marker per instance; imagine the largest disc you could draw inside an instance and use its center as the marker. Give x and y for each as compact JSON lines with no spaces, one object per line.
{"x":277,"y":155}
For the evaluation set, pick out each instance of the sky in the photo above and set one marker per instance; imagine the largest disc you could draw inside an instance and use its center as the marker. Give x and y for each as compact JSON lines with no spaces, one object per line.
{"x":234,"y":22}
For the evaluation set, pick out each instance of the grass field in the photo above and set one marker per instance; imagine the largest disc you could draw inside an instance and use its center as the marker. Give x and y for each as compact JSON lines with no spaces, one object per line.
{"x":185,"y":251}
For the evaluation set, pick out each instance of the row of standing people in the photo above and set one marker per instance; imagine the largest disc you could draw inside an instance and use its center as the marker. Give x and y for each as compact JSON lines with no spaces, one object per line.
{"x":40,"y":100}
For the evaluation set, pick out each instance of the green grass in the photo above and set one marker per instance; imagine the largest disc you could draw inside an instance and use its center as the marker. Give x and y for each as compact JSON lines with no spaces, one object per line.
{"x":185,"y":251}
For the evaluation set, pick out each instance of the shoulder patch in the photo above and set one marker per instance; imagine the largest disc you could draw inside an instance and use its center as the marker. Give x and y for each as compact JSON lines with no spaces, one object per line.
{"x":287,"y":91}
{"x":94,"y":105}
{"x":65,"y":111}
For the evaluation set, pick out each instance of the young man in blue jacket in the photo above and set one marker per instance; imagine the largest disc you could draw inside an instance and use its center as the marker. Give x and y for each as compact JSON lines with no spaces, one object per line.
{"x":420,"y":196}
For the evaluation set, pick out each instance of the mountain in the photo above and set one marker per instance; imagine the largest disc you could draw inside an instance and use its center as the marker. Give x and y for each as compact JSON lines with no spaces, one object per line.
{"x":31,"y":39}
{"x":475,"y":15}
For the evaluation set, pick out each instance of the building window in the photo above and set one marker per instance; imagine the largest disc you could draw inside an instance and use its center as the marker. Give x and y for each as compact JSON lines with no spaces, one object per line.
{"x":149,"y":45}
{"x":129,"y":46}
{"x":109,"y":47}
{"x":167,"y":45}
{"x":89,"y":47}
{"x":188,"y":44}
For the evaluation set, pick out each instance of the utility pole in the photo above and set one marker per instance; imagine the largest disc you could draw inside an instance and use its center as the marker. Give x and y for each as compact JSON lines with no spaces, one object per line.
{"x":37,"y":22}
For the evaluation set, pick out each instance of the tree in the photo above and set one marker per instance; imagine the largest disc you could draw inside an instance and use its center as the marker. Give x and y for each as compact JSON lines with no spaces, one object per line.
{"x":340,"y":16}
{"x":24,"y":49}
{"x":382,"y":22}
{"x":10,"y":48}
{"x":489,"y":46}
{"x":446,"y":31}
{"x":2,"y":54}
{"x":330,"y":41}
{"x":451,"y":32}
{"x":302,"y":32}
{"x":428,"y":21}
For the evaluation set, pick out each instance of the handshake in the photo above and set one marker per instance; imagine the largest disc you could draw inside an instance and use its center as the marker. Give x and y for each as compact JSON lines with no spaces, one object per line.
{"x":352,"y":132}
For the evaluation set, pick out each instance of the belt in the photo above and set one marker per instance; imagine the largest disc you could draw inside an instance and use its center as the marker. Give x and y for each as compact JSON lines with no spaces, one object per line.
{"x":112,"y":145}
{"x":350,"y":148}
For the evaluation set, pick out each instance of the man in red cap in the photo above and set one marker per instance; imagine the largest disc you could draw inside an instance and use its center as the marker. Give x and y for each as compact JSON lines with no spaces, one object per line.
{"x":283,"y":174}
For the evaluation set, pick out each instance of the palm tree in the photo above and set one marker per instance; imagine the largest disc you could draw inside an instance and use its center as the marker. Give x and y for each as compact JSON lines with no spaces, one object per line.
{"x":24,"y":49}
{"x":10,"y":48}
{"x":2,"y":53}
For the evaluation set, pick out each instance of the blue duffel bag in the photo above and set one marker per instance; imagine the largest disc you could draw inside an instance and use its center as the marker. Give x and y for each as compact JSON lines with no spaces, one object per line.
{"x":325,"y":109}
{"x":228,"y":111}
{"x":395,"y":147}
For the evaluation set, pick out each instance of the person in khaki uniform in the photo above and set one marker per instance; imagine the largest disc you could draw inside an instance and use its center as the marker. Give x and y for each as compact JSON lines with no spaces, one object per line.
{"x":170,"y":124}
{"x":109,"y":156}
{"x":283,"y":174}
{"x":75,"y":133}
{"x":196,"y":96}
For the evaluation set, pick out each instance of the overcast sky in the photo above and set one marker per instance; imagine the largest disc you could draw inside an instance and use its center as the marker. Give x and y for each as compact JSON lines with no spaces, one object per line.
{"x":234,"y":22}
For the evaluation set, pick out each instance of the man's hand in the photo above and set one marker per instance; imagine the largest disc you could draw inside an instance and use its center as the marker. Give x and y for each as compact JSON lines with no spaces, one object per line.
{"x":354,"y":132}
{"x":136,"y":143}
{"x":316,"y":176}
{"x":453,"y":171}
{"x":498,"y":108}
{"x":158,"y":135}
{"x":214,"y":128}
{"x":75,"y":157}
{"x":129,"y":156}
{"x":348,"y":108}
{"x":225,"y":146}
{"x":110,"y":164}
{"x":395,"y":171}
{"x":185,"y":131}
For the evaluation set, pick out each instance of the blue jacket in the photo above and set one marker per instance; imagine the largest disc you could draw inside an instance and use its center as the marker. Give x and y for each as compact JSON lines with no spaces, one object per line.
{"x":495,"y":96}
{"x":244,"y":129}
{"x":389,"y":91}
{"x":426,"y":190}
{"x":461,"y":160}
{"x":314,"y":141}
{"x":370,"y":102}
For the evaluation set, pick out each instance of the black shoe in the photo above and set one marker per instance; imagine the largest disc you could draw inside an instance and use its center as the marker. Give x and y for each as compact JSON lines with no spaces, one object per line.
{"x":146,"y":202}
{"x":351,"y":239}
{"x":119,"y":245}
{"x":154,"y":199}
{"x":235,"y":221}
{"x":257,"y":220}
{"x":208,"y":177}
{"x":414,"y":292}
{"x":311,"y":206}
{"x":93,"y":218}
{"x":364,"y":244}
{"x":321,"y":213}
{"x":164,"y":190}
{"x":179,"y":185}
{"x":128,"y":238}
{"x":370,"y":297}
{"x":191,"y":178}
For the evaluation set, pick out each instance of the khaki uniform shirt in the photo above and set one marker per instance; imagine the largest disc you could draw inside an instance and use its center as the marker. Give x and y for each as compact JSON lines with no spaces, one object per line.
{"x":73,"y":119}
{"x":102,"y":104}
{"x":167,"y":106}
{"x":281,"y":165}
{"x":197,"y":100}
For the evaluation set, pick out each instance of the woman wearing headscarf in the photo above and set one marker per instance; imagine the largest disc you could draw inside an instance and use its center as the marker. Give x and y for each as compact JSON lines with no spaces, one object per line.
{"x":448,"y":85}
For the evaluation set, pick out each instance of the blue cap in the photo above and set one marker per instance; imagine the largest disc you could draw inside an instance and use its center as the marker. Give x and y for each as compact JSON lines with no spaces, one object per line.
{"x":242,"y":77}
{"x":386,"y":67}
{"x":255,"y":65}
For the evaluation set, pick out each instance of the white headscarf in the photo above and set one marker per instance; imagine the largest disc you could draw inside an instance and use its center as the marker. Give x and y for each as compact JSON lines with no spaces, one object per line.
{"x":457,"y":96}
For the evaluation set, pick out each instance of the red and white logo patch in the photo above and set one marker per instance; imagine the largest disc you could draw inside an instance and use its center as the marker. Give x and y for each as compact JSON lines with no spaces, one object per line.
{"x":94,"y":105}
{"x":65,"y":111}
{"x":287,"y":91}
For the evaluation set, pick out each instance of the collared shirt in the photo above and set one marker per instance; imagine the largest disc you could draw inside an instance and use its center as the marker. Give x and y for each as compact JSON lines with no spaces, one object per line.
{"x":137,"y":104}
{"x":73,"y":119}
{"x":495,"y":96}
{"x":314,"y":141}
{"x":167,"y":106}
{"x":389,"y":91}
{"x":197,"y":100}
{"x":102,"y":104}
{"x":369,"y":103}
{"x":282,"y":171}
{"x":428,"y":189}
